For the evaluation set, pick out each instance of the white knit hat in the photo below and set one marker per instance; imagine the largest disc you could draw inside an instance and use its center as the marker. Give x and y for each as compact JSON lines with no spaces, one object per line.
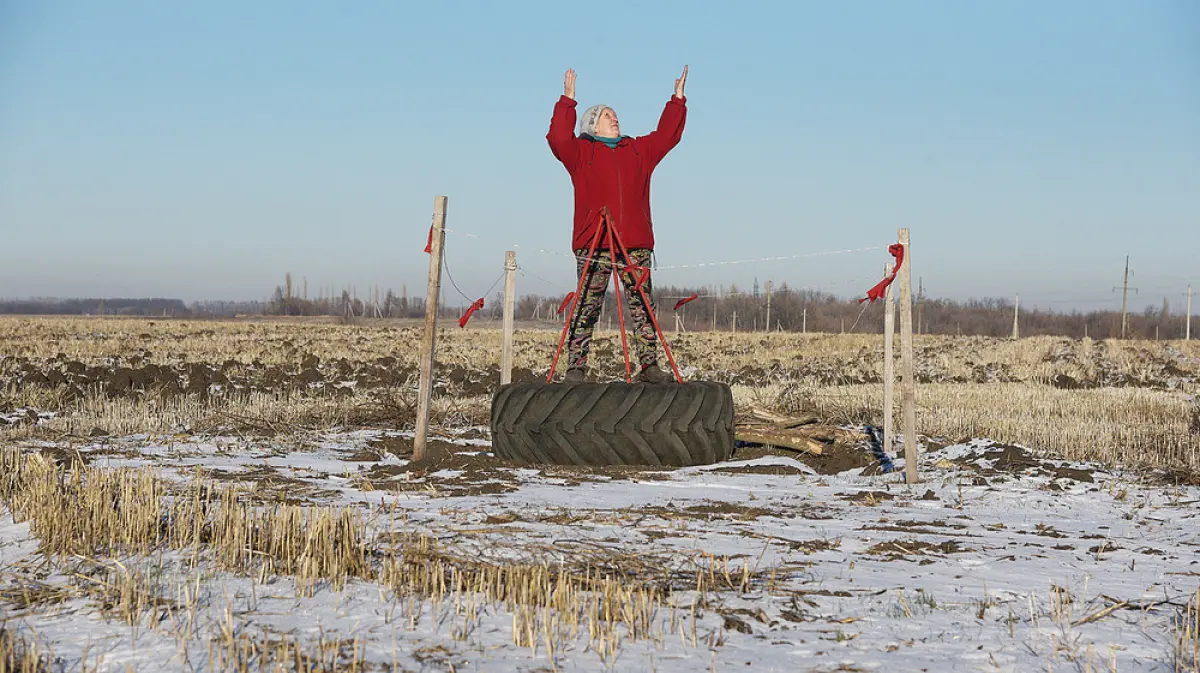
{"x":587,"y":122}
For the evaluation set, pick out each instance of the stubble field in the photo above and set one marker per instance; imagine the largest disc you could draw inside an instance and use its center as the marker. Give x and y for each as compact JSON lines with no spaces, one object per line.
{"x":241,"y":495}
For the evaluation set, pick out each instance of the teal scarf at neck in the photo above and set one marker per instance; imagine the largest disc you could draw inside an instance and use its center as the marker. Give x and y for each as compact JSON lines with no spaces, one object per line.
{"x":611,"y":142}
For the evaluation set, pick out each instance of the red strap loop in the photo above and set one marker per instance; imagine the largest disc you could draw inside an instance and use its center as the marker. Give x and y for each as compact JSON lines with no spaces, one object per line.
{"x":881,"y":287}
{"x":685,"y":300}
{"x":462,"y":322}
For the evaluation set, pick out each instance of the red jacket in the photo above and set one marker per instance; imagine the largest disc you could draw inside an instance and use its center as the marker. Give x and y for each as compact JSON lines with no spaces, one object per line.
{"x":614,"y":179}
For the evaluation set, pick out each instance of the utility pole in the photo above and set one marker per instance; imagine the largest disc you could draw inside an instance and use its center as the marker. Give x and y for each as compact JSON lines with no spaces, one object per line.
{"x":920,"y":304}
{"x":804,"y":321}
{"x":1125,"y":298}
{"x":1188,"y":329}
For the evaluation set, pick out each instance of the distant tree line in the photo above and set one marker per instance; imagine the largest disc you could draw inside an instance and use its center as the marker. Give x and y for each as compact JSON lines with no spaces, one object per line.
{"x":729,"y":308}
{"x":721,"y":308}
{"x":95,"y":306}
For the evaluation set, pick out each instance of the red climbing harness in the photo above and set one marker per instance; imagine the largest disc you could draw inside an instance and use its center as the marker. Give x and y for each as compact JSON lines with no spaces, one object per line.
{"x":640,"y":275}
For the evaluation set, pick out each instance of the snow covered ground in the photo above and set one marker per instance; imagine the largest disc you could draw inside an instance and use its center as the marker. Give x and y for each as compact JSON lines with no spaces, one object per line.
{"x":996,"y":561}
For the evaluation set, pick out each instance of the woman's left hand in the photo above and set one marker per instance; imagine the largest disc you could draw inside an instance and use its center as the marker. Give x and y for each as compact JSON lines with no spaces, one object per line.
{"x":680,"y":82}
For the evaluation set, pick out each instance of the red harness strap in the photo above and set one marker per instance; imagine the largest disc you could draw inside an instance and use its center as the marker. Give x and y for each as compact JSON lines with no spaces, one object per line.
{"x":566,"y":300}
{"x":640,"y":275}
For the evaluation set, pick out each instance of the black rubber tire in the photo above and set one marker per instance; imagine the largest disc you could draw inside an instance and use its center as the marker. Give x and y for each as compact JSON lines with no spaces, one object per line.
{"x":667,"y":424}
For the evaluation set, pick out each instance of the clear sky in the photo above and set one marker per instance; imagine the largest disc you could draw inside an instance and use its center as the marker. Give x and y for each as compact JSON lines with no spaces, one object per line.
{"x":201,"y":150}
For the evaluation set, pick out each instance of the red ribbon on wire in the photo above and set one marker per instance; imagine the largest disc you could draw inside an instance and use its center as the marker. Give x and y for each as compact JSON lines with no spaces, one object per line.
{"x":881,"y":287}
{"x":685,"y":300}
{"x":462,"y":322}
{"x":562,"y":307}
{"x":429,"y":245}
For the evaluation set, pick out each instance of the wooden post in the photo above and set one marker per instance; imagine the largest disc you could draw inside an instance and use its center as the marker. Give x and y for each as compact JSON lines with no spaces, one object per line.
{"x":1016,"y":312}
{"x":908,"y":384}
{"x":425,"y":387}
{"x":733,"y":322}
{"x":804,"y":321}
{"x":510,"y":302}
{"x":1188,"y":330}
{"x":889,"y":363}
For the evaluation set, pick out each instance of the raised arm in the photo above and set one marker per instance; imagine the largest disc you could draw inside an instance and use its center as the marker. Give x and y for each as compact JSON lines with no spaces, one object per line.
{"x":667,"y":135}
{"x":562,"y":125}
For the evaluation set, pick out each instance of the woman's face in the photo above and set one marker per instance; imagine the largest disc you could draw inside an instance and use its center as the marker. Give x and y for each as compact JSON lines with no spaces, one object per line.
{"x":607,"y":124}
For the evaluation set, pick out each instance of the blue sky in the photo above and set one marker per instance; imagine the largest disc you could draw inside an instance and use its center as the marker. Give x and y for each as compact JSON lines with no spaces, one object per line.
{"x":202,"y":150}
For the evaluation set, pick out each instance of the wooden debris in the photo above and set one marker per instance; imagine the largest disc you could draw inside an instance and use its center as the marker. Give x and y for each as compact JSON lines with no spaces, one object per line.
{"x":779,"y":437}
{"x":805,"y":418}
{"x":803,"y":432}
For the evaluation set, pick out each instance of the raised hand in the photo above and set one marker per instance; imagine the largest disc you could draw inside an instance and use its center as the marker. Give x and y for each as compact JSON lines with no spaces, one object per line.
{"x":678,"y":83}
{"x":569,"y":83}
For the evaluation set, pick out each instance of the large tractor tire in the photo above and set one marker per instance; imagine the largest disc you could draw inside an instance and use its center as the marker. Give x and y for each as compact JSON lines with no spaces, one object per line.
{"x":666,"y":424}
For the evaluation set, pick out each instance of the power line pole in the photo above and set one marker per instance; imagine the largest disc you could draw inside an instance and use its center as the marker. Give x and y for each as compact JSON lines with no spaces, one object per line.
{"x":920,"y":303}
{"x":1125,"y":298}
{"x":1188,"y":329}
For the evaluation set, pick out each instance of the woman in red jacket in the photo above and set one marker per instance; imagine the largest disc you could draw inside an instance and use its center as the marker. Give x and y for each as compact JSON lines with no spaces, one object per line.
{"x":611,"y":174}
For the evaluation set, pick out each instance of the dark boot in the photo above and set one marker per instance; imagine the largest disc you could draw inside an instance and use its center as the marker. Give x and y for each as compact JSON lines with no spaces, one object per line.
{"x":573,"y":376}
{"x":652,"y":374}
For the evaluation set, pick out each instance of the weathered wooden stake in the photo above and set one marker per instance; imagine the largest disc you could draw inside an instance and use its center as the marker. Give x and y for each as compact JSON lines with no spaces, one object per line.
{"x":510,"y":305}
{"x":768,"y":306}
{"x":1016,"y":313}
{"x":428,"y":344}
{"x":889,"y":364}
{"x":908,"y":385}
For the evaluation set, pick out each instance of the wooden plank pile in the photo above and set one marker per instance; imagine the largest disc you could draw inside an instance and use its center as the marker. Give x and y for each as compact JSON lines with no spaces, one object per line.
{"x":805,"y":432}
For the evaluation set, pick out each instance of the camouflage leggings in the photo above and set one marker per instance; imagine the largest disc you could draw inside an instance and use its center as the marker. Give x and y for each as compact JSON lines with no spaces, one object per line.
{"x":591,"y":300}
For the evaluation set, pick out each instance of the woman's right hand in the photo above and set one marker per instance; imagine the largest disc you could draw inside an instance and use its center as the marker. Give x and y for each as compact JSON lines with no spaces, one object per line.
{"x":569,"y":84}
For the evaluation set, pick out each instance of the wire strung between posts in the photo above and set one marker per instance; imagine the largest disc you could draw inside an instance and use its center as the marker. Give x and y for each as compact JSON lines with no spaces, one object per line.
{"x":860,"y":315}
{"x":612,"y":264}
{"x":455,"y":285}
{"x":749,"y":293}
{"x":698,"y":265}
{"x":530,"y":273}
